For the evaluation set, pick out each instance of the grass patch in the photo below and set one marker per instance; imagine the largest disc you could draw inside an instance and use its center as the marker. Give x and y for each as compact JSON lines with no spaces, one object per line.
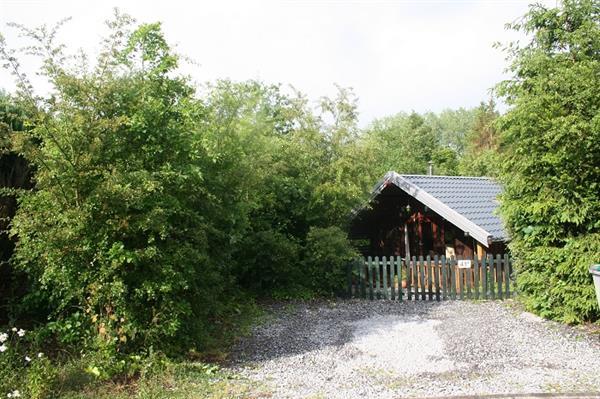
{"x":195,"y":374}
{"x":174,"y":381}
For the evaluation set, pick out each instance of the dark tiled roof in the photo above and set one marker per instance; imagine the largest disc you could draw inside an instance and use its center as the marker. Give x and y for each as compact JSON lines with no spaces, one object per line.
{"x":475,"y":198}
{"x":470,"y":203}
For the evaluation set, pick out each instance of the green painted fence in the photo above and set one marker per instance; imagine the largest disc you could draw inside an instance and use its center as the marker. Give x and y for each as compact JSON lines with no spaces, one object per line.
{"x":430,"y":278}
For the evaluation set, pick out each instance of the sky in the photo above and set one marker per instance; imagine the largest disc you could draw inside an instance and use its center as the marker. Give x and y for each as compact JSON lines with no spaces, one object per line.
{"x":396,"y":55}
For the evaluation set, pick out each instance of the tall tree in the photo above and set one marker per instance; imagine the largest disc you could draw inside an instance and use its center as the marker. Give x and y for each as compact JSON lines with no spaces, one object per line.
{"x":480,"y":157}
{"x":551,"y":157}
{"x":452,"y":127}
{"x":406,"y":143}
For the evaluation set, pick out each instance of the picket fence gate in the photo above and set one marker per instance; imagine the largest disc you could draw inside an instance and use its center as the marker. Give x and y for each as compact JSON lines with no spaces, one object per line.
{"x":430,"y":278}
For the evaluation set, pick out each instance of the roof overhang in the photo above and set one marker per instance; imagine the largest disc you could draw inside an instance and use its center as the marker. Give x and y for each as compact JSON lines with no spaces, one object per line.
{"x":475,"y":231}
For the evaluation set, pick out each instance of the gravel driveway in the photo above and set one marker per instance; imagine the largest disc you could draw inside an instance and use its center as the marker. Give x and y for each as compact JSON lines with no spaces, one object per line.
{"x":384,"y":349}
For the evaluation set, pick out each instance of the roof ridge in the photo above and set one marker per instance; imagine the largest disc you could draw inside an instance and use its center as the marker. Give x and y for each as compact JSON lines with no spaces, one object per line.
{"x":448,"y":176}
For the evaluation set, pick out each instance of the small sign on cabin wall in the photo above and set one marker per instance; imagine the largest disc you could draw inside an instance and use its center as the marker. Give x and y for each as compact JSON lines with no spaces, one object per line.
{"x":464,"y":264}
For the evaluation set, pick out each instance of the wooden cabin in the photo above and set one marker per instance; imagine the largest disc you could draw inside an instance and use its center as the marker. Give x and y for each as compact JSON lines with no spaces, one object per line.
{"x":421,"y":215}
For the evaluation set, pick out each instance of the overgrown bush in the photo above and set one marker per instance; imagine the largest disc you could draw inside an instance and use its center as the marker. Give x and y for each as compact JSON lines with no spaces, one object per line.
{"x":327,"y":254}
{"x":550,"y":145}
{"x":270,"y":263}
{"x":556,"y":280}
{"x":153,"y":206}
{"x":119,"y":231}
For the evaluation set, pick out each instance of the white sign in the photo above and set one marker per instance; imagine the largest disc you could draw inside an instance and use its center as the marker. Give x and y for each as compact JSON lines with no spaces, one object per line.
{"x":464,"y":264}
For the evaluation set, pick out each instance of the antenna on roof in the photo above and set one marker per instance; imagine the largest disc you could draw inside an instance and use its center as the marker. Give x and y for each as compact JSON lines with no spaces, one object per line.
{"x":430,"y":168}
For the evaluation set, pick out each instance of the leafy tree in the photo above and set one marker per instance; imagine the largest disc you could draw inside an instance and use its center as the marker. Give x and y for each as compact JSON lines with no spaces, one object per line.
{"x":297,"y":168}
{"x":126,"y":230}
{"x":551,"y":157}
{"x":345,"y":176}
{"x":481,"y":154}
{"x":406,"y":143}
{"x":452,"y":127}
{"x":250,"y":126}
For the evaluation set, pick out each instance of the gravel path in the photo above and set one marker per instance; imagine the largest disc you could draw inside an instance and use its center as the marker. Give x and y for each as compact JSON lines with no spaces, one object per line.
{"x":384,"y":349}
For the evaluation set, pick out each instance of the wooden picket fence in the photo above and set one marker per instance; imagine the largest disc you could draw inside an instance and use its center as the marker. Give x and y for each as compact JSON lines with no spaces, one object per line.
{"x":430,"y":278}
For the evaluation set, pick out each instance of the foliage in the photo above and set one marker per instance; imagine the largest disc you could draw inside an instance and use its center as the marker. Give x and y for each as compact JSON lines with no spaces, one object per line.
{"x":452,"y":127}
{"x":550,"y":146}
{"x":152,"y":205}
{"x":270,"y":262}
{"x":406,"y":143}
{"x":556,"y":280}
{"x":15,"y":175}
{"x":160,"y":212}
{"x":167,"y":380}
{"x":481,"y":154}
{"x":295,"y":168}
{"x":119,"y":231}
{"x":461,"y":141}
{"x":328,"y":252}
{"x":24,"y":371}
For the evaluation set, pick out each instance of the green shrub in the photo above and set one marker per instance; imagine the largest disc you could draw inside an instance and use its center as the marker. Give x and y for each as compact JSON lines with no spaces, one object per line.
{"x":550,"y":157}
{"x":152,"y":206}
{"x":270,"y":262}
{"x":119,"y":234}
{"x":555,"y":281}
{"x":326,"y":257}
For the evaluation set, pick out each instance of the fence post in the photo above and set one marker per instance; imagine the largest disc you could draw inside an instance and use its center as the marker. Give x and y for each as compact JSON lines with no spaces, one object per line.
{"x":437,"y":273}
{"x":452,"y":270}
{"x":370,"y":276}
{"x":492,"y":275}
{"x":411,"y":268}
{"x":463,"y":282}
{"x":361,"y":279}
{"x":384,"y":265}
{"x":392,"y":278}
{"x":507,"y":276}
{"x":422,"y":279}
{"x":484,"y":277}
{"x":400,"y":290}
{"x":499,"y":275}
{"x":476,"y":276}
{"x":444,"y":279}
{"x":429,"y":274}
{"x":468,"y":279}
{"x":377,"y":278}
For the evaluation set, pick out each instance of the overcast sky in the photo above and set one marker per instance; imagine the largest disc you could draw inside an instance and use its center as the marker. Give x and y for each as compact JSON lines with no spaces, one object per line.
{"x":396,"y":55}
